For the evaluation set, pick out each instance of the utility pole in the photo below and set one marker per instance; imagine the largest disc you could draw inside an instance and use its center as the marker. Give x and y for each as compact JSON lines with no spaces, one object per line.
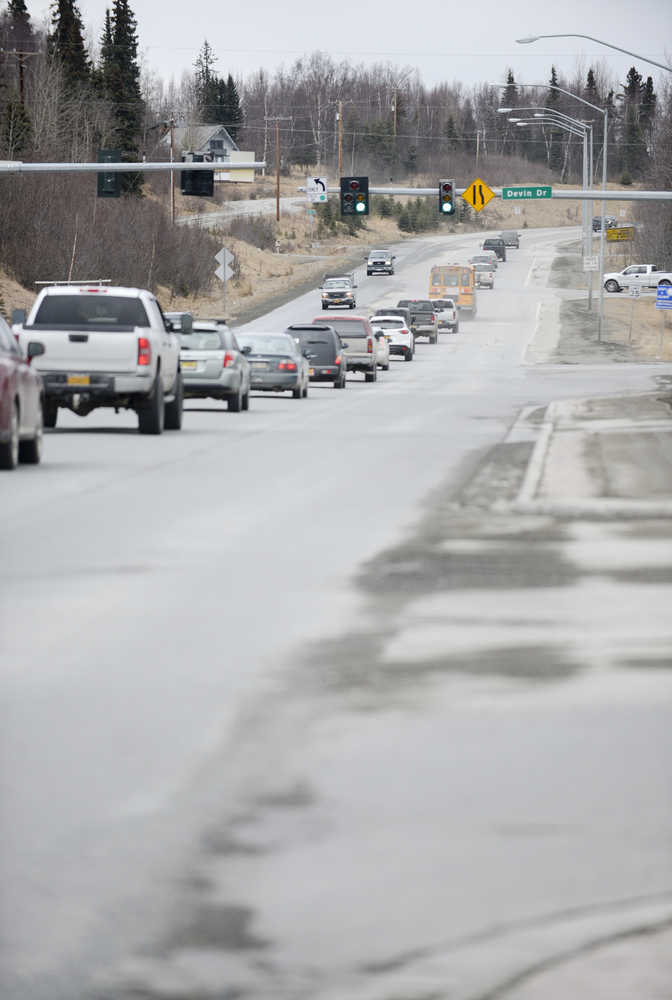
{"x":339,"y":119}
{"x":394,"y":108}
{"x":172,"y":172}
{"x":277,"y":119}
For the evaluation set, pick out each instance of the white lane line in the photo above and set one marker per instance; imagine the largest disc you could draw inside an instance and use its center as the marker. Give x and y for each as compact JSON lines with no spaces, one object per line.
{"x":530,"y":273}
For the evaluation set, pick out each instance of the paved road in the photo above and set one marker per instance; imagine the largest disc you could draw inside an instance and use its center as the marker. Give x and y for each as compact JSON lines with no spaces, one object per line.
{"x":235,"y":209}
{"x":196,"y":627}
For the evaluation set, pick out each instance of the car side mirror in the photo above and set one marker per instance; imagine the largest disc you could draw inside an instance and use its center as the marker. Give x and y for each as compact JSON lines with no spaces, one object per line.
{"x":35,"y":349}
{"x":18,"y":316}
{"x":246,"y":350}
{"x":187,"y":323}
{"x":344,"y":345}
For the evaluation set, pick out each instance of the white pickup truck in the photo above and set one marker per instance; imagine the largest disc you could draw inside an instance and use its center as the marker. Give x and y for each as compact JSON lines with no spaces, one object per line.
{"x":641,"y":275}
{"x":105,"y":346}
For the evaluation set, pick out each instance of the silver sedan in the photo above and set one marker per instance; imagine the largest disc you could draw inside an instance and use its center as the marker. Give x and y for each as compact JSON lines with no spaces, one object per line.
{"x":214,"y":365}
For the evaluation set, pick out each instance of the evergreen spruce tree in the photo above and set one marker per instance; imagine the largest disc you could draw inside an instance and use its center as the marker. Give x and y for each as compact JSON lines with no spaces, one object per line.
{"x":233,"y":119}
{"x":208,"y":89}
{"x":120,"y":74}
{"x":635,"y":156}
{"x":65,"y":44}
{"x":555,"y":135}
{"x":22,"y":36}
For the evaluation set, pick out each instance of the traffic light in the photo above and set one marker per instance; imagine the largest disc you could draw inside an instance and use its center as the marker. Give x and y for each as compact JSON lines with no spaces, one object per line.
{"x":354,"y":195}
{"x":447,"y":197}
{"x":109,"y":184}
{"x":197,"y":182}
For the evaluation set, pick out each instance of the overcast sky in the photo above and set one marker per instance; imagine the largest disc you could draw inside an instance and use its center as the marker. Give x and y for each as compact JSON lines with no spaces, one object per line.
{"x":471,"y":42}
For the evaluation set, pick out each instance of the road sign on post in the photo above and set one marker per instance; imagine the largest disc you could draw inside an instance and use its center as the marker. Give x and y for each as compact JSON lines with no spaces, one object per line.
{"x":478,"y":194}
{"x":591,"y":263}
{"x":619,"y":234}
{"x":224,"y":258}
{"x":316,"y":189}
{"x":527,"y":192}
{"x":664,"y":297}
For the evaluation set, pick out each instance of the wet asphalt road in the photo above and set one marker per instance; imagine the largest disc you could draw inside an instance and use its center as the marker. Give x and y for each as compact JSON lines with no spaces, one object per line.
{"x":285,"y":707}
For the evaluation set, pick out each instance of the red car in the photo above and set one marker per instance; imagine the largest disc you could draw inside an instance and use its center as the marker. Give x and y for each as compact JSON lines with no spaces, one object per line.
{"x":20,"y":402}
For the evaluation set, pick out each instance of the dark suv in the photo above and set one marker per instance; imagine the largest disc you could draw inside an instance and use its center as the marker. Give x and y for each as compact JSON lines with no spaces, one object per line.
{"x":322,"y":346}
{"x":497,"y":244}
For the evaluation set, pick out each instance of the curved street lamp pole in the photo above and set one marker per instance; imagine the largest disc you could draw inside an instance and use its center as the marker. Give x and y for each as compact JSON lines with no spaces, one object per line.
{"x":600,"y":41}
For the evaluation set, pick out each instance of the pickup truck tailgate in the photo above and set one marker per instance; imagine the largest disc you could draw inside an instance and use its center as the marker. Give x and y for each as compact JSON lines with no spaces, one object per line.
{"x":113,"y":351}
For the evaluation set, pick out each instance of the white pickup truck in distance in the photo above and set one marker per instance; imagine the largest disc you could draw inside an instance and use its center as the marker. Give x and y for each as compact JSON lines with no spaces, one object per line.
{"x":106,"y":346}
{"x":641,"y":275}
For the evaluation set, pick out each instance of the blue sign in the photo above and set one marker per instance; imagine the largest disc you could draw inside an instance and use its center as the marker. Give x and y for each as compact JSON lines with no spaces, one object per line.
{"x":664,"y":297}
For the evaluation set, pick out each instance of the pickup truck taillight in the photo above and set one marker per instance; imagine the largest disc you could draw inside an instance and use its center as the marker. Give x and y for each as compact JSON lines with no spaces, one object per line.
{"x":144,"y":351}
{"x":337,"y":359}
{"x":369,"y":346}
{"x":287,"y":366}
{"x":431,"y":317}
{"x":228,"y":359}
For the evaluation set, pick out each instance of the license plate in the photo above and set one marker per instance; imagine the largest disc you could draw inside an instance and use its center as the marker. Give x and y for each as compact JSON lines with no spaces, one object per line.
{"x":188,"y":365}
{"x":259,"y":364}
{"x":79,"y":380}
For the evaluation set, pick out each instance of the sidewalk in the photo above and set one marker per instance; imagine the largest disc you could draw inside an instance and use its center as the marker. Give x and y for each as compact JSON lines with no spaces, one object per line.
{"x":603,"y":456}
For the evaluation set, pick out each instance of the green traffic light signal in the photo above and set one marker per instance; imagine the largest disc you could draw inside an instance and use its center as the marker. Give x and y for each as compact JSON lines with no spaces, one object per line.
{"x":354,"y":195}
{"x":447,"y":197}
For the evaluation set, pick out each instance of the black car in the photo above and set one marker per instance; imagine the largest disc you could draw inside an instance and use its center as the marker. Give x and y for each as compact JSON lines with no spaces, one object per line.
{"x":609,"y":222}
{"x":323,"y":348}
{"x":497,"y":244}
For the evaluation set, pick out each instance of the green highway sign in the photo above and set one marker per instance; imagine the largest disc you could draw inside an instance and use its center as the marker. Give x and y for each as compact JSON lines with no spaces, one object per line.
{"x":526,"y":192}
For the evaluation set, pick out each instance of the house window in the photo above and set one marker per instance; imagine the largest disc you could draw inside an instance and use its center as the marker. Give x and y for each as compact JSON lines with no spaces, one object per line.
{"x":217,"y":144}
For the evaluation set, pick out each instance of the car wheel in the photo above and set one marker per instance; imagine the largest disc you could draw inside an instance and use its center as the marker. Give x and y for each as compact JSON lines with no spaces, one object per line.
{"x":246,"y":400}
{"x":151,"y":413}
{"x":235,"y":403}
{"x":340,"y":383}
{"x":612,"y":286}
{"x":297,"y":393}
{"x":434,"y":338}
{"x":9,"y":450}
{"x":386,"y":367}
{"x":370,"y":376}
{"x":30,"y":451}
{"x":456,"y":328}
{"x":305,"y":391}
{"x":172,"y":420}
{"x":49,"y":413}
{"x":408,"y":356}
{"x":664,"y":282}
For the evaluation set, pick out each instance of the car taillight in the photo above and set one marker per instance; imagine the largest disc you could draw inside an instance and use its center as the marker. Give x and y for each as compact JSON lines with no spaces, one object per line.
{"x":228,"y":359}
{"x":404,"y":330}
{"x":287,"y":366}
{"x":431,"y":317}
{"x":369,"y":346}
{"x":144,"y":351}
{"x":337,"y":359}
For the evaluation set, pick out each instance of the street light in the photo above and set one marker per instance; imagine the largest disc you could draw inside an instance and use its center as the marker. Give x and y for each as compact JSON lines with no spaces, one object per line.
{"x":600,"y":41}
{"x":575,"y":127}
{"x":605,"y":119}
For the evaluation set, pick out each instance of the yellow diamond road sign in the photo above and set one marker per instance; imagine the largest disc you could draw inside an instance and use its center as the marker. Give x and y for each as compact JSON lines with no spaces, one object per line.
{"x":478,"y":194}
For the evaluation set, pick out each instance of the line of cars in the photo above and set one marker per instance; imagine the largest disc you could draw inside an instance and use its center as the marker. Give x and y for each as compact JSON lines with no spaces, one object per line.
{"x":88,"y":345}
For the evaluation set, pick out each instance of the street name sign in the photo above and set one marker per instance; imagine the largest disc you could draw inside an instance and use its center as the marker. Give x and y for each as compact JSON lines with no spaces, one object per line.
{"x":316,"y":189}
{"x":224,"y":258}
{"x":478,"y":194}
{"x":664,"y":297}
{"x":591,"y":263}
{"x":527,"y":192}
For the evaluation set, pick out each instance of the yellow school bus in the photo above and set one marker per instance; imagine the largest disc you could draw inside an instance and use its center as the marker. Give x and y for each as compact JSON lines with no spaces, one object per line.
{"x":456,"y":282}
